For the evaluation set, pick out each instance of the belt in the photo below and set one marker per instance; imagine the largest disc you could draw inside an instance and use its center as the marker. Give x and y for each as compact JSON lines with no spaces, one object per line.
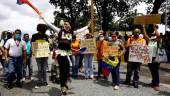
{"x":15,"y":56}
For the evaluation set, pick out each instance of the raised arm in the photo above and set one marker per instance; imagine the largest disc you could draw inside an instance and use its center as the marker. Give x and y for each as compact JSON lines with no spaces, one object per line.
{"x":54,"y":28}
{"x":146,"y":37}
{"x":156,"y":31}
{"x":81,"y":30}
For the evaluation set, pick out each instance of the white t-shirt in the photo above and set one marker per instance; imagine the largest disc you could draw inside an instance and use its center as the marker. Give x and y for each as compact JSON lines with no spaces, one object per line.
{"x":15,"y":48}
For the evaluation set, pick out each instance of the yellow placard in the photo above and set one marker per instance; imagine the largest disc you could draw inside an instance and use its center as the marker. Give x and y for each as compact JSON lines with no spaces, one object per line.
{"x":90,"y":44}
{"x":148,"y":19}
{"x":40,"y":49}
{"x":110,"y":51}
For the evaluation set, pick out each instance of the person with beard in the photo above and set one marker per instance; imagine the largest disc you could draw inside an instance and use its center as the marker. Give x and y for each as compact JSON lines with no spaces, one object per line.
{"x":42,"y":61}
{"x":15,"y":54}
{"x":134,"y":66}
{"x":154,"y":42}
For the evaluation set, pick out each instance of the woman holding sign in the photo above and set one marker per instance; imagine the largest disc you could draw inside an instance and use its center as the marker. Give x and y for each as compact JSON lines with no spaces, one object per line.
{"x":119,"y":51}
{"x":153,"y":45}
{"x":88,"y":58}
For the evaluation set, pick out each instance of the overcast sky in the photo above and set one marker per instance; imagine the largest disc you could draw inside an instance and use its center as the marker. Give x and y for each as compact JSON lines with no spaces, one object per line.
{"x":13,"y":16}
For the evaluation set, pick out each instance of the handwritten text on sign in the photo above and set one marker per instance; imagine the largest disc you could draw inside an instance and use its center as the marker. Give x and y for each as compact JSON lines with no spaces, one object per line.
{"x":140,"y":54}
{"x":40,"y":49}
{"x":90,"y":44}
{"x":110,"y":51}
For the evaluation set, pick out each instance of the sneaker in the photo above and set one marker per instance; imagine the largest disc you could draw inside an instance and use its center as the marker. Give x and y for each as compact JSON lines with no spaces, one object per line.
{"x":135,"y":85}
{"x":64,"y":91}
{"x":156,"y":88}
{"x":46,"y":84}
{"x":31,"y":78}
{"x":23,"y":79}
{"x":116,"y":87}
{"x":8,"y":86}
{"x":68,"y":86}
{"x":37,"y":86}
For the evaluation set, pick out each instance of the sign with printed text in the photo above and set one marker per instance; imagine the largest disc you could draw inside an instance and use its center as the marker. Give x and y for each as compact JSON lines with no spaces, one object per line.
{"x":140,"y":54}
{"x":90,"y":44}
{"x":110,"y":51}
{"x":148,"y":19}
{"x":40,"y":49}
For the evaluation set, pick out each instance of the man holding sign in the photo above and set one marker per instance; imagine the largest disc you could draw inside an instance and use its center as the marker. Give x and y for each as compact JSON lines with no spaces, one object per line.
{"x":37,"y":40}
{"x":133,"y":66}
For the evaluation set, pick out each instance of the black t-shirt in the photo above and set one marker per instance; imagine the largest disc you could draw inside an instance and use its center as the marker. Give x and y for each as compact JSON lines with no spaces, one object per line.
{"x":37,"y":36}
{"x":64,"y":39}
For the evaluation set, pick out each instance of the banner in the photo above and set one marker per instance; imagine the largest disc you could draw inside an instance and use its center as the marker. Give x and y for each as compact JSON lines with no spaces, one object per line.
{"x":148,"y":19}
{"x":40,"y":49}
{"x":89,"y":44}
{"x":140,"y":54}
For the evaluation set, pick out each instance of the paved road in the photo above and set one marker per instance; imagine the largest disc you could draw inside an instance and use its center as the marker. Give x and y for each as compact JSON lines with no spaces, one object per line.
{"x":89,"y":87}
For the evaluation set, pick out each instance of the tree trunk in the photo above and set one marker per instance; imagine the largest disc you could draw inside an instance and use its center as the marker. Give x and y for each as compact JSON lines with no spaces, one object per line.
{"x":156,"y":7}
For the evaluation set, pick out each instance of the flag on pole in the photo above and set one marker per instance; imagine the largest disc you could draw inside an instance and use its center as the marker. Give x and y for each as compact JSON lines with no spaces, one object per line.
{"x":20,"y":2}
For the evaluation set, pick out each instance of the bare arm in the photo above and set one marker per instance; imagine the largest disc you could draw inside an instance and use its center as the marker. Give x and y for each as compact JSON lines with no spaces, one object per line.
{"x":24,"y":56}
{"x":6,"y":55}
{"x":156,"y":32}
{"x":123,"y":50}
{"x":54,"y":28}
{"x":81,"y":30}
{"x":146,"y":37}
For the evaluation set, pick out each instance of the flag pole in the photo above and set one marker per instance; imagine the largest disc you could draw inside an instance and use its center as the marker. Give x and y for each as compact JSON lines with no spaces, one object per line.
{"x":92,"y":16}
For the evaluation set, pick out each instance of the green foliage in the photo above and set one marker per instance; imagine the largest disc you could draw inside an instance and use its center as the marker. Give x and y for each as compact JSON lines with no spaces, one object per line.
{"x":77,"y":11}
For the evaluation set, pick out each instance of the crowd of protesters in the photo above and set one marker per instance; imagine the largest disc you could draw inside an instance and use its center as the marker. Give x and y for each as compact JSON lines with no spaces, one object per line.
{"x":16,"y":55}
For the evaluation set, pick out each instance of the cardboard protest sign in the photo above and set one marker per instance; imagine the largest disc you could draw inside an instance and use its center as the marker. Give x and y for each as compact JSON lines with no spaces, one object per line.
{"x":140,"y":54}
{"x":90,"y":44}
{"x":110,"y":51}
{"x":148,"y":19}
{"x":40,"y":49}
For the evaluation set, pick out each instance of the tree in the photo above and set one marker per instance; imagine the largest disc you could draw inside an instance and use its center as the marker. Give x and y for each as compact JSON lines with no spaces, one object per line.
{"x":77,"y":11}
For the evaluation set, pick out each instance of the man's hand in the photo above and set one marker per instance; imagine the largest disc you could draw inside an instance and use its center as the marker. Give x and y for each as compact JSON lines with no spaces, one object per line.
{"x":25,"y":61}
{"x":6,"y":60}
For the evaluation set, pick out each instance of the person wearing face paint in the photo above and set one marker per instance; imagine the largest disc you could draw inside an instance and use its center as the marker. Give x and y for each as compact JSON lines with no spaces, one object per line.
{"x":15,"y":54}
{"x":29,"y":55}
{"x":154,"y":66}
{"x":42,"y":62}
{"x":121,"y":49}
{"x":134,"y":66}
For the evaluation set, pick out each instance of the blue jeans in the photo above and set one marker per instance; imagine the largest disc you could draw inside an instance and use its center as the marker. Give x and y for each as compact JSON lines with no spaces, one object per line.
{"x":14,"y":66}
{"x":116,"y":74}
{"x":75,"y":62}
{"x":88,"y":65}
{"x":29,"y":66}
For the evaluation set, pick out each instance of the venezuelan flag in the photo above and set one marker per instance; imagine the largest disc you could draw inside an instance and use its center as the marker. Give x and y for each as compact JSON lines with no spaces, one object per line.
{"x":21,"y":1}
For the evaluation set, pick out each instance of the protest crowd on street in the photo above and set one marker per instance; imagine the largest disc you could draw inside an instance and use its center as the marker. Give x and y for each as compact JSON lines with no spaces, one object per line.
{"x":82,"y":55}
